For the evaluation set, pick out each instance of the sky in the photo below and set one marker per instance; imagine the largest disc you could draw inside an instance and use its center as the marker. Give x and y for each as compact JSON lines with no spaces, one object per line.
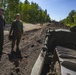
{"x":57,"y":9}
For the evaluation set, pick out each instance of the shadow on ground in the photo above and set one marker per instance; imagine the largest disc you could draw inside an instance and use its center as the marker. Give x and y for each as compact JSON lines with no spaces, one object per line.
{"x":15,"y":57}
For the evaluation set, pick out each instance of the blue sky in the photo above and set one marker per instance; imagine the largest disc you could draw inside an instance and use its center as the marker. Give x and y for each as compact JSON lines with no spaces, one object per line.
{"x":57,"y":9}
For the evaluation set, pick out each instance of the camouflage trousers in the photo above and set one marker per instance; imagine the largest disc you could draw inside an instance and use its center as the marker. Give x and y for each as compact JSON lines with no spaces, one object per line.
{"x":1,"y":42}
{"x":16,"y":39}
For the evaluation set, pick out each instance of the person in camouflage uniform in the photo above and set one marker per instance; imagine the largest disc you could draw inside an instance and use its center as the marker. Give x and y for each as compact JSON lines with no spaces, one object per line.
{"x":16,"y":31}
{"x":2,"y":24}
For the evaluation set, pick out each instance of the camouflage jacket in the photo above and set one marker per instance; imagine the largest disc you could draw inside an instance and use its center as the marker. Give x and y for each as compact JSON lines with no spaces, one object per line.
{"x":2,"y":24}
{"x":16,"y":28}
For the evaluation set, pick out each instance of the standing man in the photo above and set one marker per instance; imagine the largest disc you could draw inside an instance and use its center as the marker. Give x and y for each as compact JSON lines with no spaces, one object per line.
{"x":16,"y":31}
{"x":2,"y":24}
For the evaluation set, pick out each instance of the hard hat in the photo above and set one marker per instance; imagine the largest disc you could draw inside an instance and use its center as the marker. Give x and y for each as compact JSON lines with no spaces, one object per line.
{"x":18,"y":14}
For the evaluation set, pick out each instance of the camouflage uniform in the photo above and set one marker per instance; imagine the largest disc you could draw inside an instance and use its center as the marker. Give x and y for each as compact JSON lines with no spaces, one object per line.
{"x":2,"y":24}
{"x":17,"y":31}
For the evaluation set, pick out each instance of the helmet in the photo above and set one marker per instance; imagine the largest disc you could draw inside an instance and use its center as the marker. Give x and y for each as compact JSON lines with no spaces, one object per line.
{"x":17,"y":14}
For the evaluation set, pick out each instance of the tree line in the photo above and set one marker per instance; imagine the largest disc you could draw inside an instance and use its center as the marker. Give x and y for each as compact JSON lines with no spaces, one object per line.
{"x":70,"y":20}
{"x":30,"y":12}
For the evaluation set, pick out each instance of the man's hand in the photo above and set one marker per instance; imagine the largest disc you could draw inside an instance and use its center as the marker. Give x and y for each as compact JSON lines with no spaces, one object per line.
{"x":10,"y":37}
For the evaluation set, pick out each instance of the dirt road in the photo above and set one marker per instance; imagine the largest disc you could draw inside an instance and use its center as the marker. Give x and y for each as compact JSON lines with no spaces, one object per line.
{"x":26,"y":27}
{"x":21,"y":62}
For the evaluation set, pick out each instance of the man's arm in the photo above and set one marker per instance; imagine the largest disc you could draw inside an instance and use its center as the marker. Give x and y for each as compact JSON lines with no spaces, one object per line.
{"x":22,"y":28}
{"x":11,"y":29}
{"x":4,"y":23}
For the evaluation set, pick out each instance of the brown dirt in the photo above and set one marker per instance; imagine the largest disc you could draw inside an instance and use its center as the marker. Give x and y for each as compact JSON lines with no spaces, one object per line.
{"x":21,"y":62}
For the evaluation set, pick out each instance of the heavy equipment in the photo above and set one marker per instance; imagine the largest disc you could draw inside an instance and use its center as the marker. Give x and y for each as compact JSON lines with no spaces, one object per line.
{"x":59,"y":45}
